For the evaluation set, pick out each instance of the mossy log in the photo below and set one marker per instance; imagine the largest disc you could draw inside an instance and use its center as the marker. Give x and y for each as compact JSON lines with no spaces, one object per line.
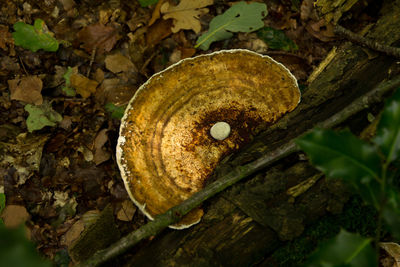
{"x":247,"y":223}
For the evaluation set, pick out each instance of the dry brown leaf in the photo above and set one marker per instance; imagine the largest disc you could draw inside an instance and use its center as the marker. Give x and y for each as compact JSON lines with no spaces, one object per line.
{"x":186,"y":14}
{"x":156,"y":12}
{"x":99,"y":37}
{"x":83,"y":86}
{"x":306,"y":8}
{"x":321,"y":30}
{"x":100,"y":155}
{"x":5,"y":37}
{"x":127,"y":211}
{"x":14,"y":215}
{"x":27,"y":89}
{"x":119,"y":63}
{"x":73,"y":233}
{"x":393,"y":251}
{"x":158,"y":31}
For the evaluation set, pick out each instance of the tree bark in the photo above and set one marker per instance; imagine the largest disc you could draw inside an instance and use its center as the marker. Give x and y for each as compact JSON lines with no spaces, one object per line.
{"x":247,"y":222}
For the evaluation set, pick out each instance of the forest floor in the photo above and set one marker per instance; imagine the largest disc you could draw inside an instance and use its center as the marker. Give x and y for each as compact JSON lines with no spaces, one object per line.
{"x":61,"y":173}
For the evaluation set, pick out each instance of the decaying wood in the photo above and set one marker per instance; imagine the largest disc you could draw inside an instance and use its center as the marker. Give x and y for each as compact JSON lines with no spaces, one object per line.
{"x":246,"y":223}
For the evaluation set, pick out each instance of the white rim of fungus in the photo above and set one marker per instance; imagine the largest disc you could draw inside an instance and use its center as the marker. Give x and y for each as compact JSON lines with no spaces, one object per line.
{"x":220,"y":130}
{"x":121,"y":139}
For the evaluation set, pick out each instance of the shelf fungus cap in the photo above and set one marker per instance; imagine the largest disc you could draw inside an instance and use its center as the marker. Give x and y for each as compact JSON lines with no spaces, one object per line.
{"x":166,"y":150}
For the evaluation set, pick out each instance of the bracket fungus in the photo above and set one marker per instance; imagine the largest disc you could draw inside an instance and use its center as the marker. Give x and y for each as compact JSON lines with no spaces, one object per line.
{"x":185,"y":119}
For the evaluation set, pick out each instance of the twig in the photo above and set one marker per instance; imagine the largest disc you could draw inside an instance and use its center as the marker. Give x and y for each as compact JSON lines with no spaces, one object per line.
{"x":23,"y":65}
{"x":356,"y":38}
{"x":92,"y":57}
{"x":174,"y":214}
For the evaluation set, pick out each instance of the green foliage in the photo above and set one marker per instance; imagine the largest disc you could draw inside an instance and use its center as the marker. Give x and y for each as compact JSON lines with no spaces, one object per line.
{"x":17,"y":251}
{"x":343,"y":155}
{"x":67,"y":89}
{"x":276,"y":39}
{"x":145,"y":3}
{"x":34,"y":37}
{"x":41,"y":116}
{"x":388,"y":132}
{"x":355,"y":217}
{"x":391,"y":211}
{"x":345,"y":249}
{"x":116,"y":112}
{"x":241,"y":17}
{"x":364,"y":166}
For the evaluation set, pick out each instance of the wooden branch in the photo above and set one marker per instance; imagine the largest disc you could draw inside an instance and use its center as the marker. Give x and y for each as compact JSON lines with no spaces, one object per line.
{"x":174,"y":214}
{"x":369,"y":43}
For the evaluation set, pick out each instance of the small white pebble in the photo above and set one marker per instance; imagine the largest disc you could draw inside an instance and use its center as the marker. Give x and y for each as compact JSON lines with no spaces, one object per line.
{"x":220,"y":130}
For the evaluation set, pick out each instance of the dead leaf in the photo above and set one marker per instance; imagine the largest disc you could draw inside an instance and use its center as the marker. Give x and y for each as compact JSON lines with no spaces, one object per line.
{"x":5,"y":38}
{"x":321,"y":30}
{"x":158,"y":31}
{"x":127,"y":211}
{"x":27,"y":89}
{"x":156,"y":12}
{"x":307,"y":6}
{"x":99,"y":37}
{"x":393,"y":251}
{"x":186,"y":14}
{"x":119,"y":63}
{"x":74,"y":233}
{"x":83,"y":86}
{"x":115,"y":91}
{"x":14,"y":215}
{"x":100,"y":155}
{"x":99,"y":75}
{"x":24,"y":155}
{"x":68,"y":4}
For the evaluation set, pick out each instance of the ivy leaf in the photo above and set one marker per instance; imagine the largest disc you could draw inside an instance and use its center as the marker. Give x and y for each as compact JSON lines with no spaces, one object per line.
{"x":34,"y":37}
{"x":276,"y":39}
{"x":343,"y":155}
{"x":145,"y":3}
{"x":391,"y":211}
{"x":41,"y":116}
{"x":17,"y":250}
{"x":388,"y":132}
{"x":345,"y":249}
{"x":241,"y":17}
{"x":116,"y":112}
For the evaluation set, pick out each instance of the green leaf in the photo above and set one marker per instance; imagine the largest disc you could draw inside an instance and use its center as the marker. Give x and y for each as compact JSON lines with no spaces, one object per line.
{"x":276,"y":39}
{"x":391,"y":211}
{"x":41,"y":116}
{"x":346,"y":249}
{"x":388,"y":132}
{"x":34,"y":37}
{"x":241,"y":17}
{"x":116,"y":112}
{"x":67,"y":89}
{"x":342,"y":155}
{"x":17,"y":250}
{"x":145,"y":3}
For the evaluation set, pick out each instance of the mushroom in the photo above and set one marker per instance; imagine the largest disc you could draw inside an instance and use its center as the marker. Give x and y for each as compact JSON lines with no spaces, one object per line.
{"x":186,"y":118}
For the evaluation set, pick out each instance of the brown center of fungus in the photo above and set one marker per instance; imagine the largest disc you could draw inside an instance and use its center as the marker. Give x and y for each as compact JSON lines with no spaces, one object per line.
{"x":185,"y":119}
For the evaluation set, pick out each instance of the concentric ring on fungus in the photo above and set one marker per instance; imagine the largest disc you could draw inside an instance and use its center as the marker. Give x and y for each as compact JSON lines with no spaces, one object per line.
{"x":165,"y":151}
